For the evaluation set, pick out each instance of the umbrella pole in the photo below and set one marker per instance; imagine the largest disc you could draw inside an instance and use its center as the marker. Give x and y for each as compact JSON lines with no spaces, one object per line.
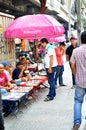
{"x":35,"y":49}
{"x":35,"y":52}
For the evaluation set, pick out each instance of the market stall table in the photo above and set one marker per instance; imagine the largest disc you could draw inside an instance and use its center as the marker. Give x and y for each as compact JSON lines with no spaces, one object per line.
{"x":11,"y":101}
{"x":36,"y":81}
{"x":32,"y":67}
{"x":23,"y":89}
{"x":42,"y":78}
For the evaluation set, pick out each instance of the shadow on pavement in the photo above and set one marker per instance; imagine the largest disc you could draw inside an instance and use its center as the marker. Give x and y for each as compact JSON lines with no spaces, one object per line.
{"x":84,"y":127}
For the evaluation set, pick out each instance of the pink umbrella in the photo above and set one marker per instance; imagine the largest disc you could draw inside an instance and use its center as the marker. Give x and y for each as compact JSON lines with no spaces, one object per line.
{"x":51,"y":39}
{"x":57,"y":39}
{"x":34,"y":26}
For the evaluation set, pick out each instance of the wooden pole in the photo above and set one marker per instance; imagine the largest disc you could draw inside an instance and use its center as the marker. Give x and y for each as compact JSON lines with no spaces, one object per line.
{"x":35,"y":49}
{"x":43,"y":6}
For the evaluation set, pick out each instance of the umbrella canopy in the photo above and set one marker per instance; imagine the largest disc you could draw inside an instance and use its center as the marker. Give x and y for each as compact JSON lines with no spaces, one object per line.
{"x":51,"y":39}
{"x":34,"y":26}
{"x":57,"y":39}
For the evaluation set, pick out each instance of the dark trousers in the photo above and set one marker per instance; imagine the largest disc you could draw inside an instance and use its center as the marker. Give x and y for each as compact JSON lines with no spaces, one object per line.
{"x":73,"y":80}
{"x":57,"y":73}
{"x":51,"y":81}
{"x":1,"y":117}
{"x":1,"y":121}
{"x":61,"y":75}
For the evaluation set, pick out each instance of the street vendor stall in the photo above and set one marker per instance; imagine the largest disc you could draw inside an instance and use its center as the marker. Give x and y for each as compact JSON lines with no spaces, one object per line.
{"x":19,"y":94}
{"x":34,"y":27}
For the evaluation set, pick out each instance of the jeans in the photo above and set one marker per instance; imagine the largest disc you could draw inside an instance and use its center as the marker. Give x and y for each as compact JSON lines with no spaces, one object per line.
{"x":78,"y":100}
{"x":51,"y":81}
{"x":57,"y":73}
{"x":60,"y":75}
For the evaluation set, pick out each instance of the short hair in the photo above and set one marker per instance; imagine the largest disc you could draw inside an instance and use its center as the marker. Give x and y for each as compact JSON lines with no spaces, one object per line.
{"x":44,"y":40}
{"x":22,"y":59}
{"x":72,"y":38}
{"x":20,"y":55}
{"x":62,"y":44}
{"x":83,"y":37}
{"x":19,"y":63}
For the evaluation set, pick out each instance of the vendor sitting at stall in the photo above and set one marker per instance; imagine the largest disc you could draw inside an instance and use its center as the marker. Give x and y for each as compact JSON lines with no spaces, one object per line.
{"x":30,"y":57}
{"x":4,"y":80}
{"x":24,"y":62}
{"x":8,"y":70}
{"x":19,"y":57}
{"x":18,"y":72}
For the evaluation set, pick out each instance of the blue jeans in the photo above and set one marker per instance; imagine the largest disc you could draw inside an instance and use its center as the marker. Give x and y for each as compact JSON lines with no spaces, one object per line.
{"x":58,"y":68}
{"x":51,"y":81}
{"x":61,"y":75}
{"x":78,"y":100}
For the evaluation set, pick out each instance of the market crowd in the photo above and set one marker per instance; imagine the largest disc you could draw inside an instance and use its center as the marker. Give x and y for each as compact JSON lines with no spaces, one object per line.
{"x":52,"y":59}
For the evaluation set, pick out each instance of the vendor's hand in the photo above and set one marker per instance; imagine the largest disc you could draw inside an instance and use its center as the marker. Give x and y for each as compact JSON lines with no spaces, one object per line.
{"x":10,"y":69}
{"x":24,"y":79}
{"x":28,"y":78}
{"x":8,"y":88}
{"x":50,"y":70}
{"x":23,"y":68}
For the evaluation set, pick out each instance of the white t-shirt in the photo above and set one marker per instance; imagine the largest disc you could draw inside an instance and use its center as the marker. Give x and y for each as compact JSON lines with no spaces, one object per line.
{"x":49,"y":52}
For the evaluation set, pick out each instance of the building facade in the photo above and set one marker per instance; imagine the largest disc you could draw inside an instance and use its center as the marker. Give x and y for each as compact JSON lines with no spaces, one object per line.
{"x":7,"y":46}
{"x":63,"y":10}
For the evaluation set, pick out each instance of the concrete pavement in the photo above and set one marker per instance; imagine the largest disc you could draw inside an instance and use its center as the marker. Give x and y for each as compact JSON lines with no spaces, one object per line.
{"x":53,"y":115}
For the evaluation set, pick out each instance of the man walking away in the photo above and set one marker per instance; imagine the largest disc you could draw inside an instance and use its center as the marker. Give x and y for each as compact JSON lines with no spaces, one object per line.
{"x":78,"y":65}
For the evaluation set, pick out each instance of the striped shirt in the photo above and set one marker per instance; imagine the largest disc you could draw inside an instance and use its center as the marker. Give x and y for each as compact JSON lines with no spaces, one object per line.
{"x":79,"y":58}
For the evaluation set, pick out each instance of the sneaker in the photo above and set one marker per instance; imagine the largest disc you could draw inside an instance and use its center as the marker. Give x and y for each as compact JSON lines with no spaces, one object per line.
{"x":47,"y":99}
{"x":6,"y":114}
{"x":76,"y":127}
{"x":62,"y":85}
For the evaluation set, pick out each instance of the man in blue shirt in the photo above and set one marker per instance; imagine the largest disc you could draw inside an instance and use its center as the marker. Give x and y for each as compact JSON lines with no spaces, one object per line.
{"x":18,"y":71}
